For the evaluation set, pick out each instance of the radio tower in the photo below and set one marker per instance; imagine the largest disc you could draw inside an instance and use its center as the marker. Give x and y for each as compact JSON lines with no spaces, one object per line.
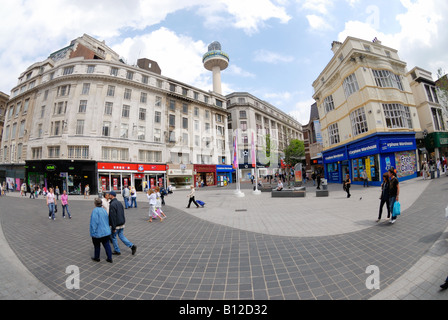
{"x":215,"y":60}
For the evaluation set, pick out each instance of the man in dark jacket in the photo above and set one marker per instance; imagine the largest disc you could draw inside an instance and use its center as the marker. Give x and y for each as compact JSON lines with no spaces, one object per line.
{"x":116,"y":222}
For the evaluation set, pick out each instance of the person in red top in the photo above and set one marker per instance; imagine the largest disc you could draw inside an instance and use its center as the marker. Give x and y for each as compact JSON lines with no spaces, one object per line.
{"x":64,"y":201}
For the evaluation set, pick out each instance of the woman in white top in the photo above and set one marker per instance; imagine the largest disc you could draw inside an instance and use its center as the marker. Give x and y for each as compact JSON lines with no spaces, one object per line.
{"x":159,"y":203}
{"x":51,"y":203}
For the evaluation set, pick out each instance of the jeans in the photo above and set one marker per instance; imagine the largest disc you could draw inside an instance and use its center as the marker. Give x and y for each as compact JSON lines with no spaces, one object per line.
{"x":133,"y":202}
{"x":65,"y":207}
{"x":192,"y":200}
{"x":51,"y":210}
{"x":120,"y":234}
{"x":105,"y":242}
{"x":381,"y":208}
{"x":126,"y":202}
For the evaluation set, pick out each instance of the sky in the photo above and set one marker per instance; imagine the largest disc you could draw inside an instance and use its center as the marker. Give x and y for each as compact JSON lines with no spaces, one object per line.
{"x":277,"y":48}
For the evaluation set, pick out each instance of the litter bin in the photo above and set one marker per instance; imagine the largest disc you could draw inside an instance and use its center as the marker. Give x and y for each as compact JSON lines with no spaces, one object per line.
{"x":324,"y":184}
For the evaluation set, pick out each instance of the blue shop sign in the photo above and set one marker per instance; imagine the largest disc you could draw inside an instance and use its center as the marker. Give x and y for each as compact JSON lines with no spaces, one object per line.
{"x":335,"y":156}
{"x":395,"y":145}
{"x":363,"y":151}
{"x":224,"y":168}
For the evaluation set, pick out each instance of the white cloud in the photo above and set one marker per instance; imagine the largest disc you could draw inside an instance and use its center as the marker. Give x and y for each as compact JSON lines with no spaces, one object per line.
{"x":318,"y":23}
{"x":319,"y":6}
{"x":421,"y":40}
{"x":30,"y":30}
{"x":302,"y":110}
{"x":271,"y":57}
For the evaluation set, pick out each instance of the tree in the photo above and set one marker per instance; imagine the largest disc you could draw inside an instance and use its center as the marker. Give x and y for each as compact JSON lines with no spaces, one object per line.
{"x":294,"y":152}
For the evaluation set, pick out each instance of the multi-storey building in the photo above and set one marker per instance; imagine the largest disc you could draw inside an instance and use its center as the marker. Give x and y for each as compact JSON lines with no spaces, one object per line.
{"x":433,"y":118}
{"x":271,"y":128}
{"x":83,"y":116}
{"x":313,"y":142}
{"x":367,"y":113}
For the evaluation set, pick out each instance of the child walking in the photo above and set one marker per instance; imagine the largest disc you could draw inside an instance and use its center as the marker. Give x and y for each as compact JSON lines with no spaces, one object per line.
{"x":152,"y":197}
{"x":159,"y":203}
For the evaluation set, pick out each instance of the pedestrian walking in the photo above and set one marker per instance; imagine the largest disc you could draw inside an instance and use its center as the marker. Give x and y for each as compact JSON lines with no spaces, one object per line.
{"x":152,"y":198}
{"x":100,"y":231}
{"x":64,"y":202}
{"x":32,"y":191}
{"x":394,"y":192}
{"x":105,"y":200}
{"x":365,"y":178}
{"x":133,"y":197}
{"x":347,"y":185}
{"x":191,"y":197}
{"x":117,"y":223}
{"x":86,"y":191}
{"x":319,"y":179}
{"x":126,"y":193}
{"x":424,"y":170}
{"x":163,"y":193}
{"x":384,"y":197}
{"x":159,"y":210}
{"x":51,"y":203}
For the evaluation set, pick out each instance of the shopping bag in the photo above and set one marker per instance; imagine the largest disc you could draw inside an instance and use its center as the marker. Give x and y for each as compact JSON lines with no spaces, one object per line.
{"x":396,"y":209}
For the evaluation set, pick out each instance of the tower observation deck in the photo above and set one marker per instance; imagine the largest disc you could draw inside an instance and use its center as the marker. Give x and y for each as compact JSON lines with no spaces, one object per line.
{"x":216,"y":60}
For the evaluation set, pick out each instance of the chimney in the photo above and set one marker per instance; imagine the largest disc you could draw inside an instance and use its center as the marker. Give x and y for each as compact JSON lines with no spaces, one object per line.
{"x":335,"y":46}
{"x":149,"y":65}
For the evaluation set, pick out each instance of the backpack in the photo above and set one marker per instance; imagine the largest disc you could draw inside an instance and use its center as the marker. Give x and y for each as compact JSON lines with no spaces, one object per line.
{"x":163,"y":192}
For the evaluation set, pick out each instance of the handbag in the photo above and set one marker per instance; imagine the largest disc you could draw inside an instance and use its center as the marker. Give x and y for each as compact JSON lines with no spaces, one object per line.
{"x":396,"y":209}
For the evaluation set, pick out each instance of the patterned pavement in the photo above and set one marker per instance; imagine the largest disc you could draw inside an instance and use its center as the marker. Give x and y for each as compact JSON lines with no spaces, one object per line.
{"x":192,"y":256}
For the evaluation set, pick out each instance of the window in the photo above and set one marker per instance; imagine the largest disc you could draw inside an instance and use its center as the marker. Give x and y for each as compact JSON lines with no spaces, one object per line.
{"x":350,"y":85}
{"x":196,"y":141}
{"x":90,"y":68}
{"x":196,"y":95}
{"x":143,"y":97}
{"x":68,"y":70}
{"x":359,"y":121}
{"x":39,"y":130}
{"x":53,"y":152}
{"x":196,"y":111}
{"x":125,"y":111}
{"x":184,"y":108}
{"x":108,"y":108}
{"x":328,"y":104}
{"x":11,"y":112}
{"x":115,"y":154}
{"x":85,"y":89}
{"x":46,"y":94}
{"x":218,"y":103}
{"x":142,"y":114}
{"x":158,"y":101}
{"x":60,"y":107}
{"x":431,"y":93}
{"x":387,"y":79}
{"x":158,"y":117}
{"x":63,"y":91}
{"x":141,"y":133}
{"x":22,"y":129}
{"x":110,"y":91}
{"x":438,"y":119}
{"x":243,"y":114}
{"x":114,"y":71}
{"x":42,"y":112}
{"x":124,"y":131}
{"x":397,"y":116}
{"x":36,"y":153}
{"x":172,"y":136}
{"x":184,"y":91}
{"x":149,"y":156}
{"x":157,"y":135}
{"x":19,"y":151}
{"x":26,"y":105}
{"x":185,"y":139}
{"x":172,"y":120}
{"x":159,"y":83}
{"x":172,"y":105}
{"x":13,"y":132}
{"x":106,"y":128}
{"x":172,"y":88}
{"x":206,"y":99}
{"x":196,"y":125}
{"x":207,"y":114}
{"x":333,"y":133}
{"x":82,"y":106}
{"x":80,"y":127}
{"x":185,"y":123}
{"x":129,"y":75}
{"x":19,"y":106}
{"x":127,"y":94}
{"x":145,"y":79}
{"x":78,"y":152}
{"x":56,"y":128}
{"x":243,"y":125}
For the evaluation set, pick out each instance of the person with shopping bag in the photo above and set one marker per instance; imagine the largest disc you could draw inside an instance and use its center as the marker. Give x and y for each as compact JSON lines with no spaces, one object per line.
{"x":394,"y":192}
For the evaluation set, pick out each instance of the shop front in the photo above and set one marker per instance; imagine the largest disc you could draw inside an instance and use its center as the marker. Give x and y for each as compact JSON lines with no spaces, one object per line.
{"x":180,"y":176}
{"x":437,"y":144}
{"x":72,"y":176}
{"x":375,"y":155}
{"x":115,"y":176}
{"x":224,"y":174}
{"x":204,"y":175}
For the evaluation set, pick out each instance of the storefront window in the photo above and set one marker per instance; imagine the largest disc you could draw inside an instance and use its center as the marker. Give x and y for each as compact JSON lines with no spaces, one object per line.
{"x":333,"y":172}
{"x":370,"y":164}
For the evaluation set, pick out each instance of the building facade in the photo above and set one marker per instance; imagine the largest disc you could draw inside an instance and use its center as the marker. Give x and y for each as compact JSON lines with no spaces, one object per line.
{"x":83,"y":116}
{"x":367,"y":112}
{"x":271,"y":129}
{"x":433,"y":140}
{"x":313,"y":143}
